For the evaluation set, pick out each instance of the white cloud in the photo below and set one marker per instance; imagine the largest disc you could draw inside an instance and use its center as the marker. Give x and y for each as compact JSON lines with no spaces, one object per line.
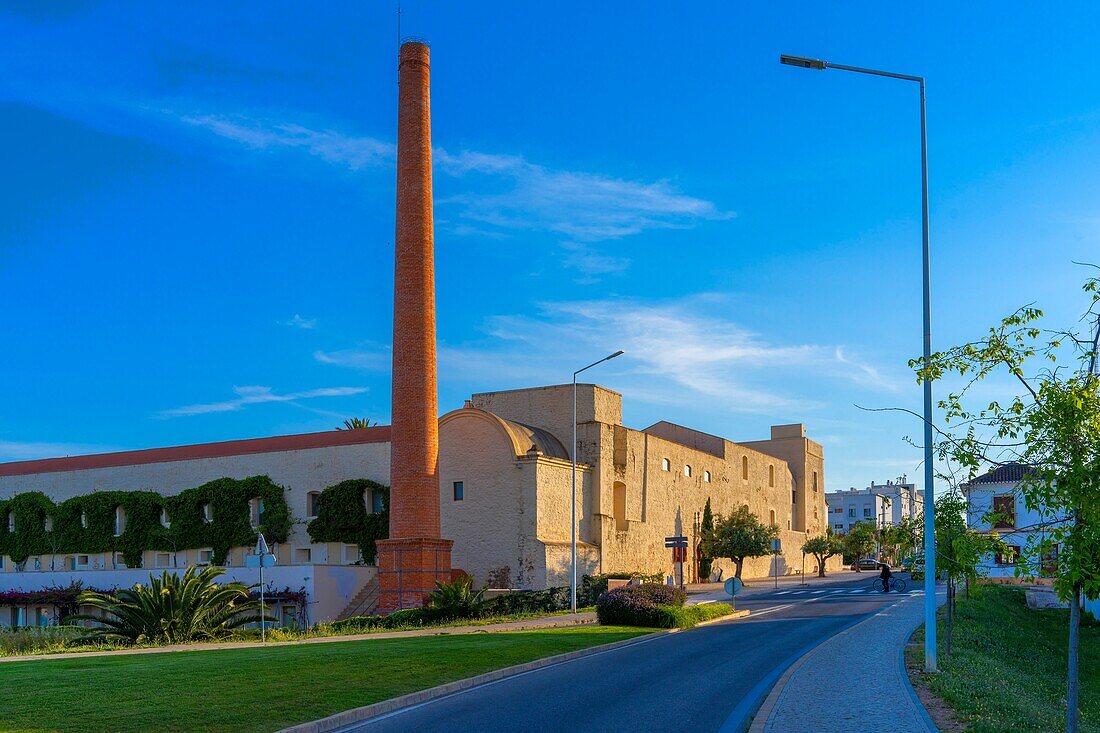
{"x":585,"y":207}
{"x":349,"y":151}
{"x":27,"y":451}
{"x":255,"y":395}
{"x":298,"y":322}
{"x":368,"y":357}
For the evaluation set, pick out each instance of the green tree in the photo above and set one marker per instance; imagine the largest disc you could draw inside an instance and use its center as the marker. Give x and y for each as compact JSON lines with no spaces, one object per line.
{"x":860,"y":541}
{"x":706,"y":529}
{"x":739,"y":536}
{"x":1049,"y":422}
{"x":356,"y":423}
{"x":901,"y":540}
{"x":823,"y":547}
{"x":172,"y":609}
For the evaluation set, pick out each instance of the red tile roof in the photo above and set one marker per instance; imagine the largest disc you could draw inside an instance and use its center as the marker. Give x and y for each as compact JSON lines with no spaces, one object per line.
{"x":276,"y":444}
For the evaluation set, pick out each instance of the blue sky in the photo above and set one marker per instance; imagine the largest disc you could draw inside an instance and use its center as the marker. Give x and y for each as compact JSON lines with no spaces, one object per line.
{"x":196,"y":225}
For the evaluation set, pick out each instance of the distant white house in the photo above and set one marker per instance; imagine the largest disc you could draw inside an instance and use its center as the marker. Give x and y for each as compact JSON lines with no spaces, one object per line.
{"x":883,"y":504}
{"x":997,"y":491}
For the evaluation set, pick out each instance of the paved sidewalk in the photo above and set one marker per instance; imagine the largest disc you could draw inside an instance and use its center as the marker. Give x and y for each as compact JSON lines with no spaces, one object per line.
{"x":531,"y":624}
{"x":866,"y":660}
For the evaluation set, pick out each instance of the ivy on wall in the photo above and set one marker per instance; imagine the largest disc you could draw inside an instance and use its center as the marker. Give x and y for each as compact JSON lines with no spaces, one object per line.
{"x":343,"y":516}
{"x":86,"y":524}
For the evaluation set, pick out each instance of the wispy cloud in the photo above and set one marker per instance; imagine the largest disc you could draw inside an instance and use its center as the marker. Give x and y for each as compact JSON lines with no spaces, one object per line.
{"x":585,"y":207}
{"x":350,"y":151}
{"x":257,"y":395}
{"x":369,"y":357}
{"x":11,"y":450}
{"x":590,"y":264}
{"x":298,"y":322}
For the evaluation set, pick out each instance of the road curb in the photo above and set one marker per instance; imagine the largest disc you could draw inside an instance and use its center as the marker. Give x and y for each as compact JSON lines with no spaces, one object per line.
{"x":764,"y":712}
{"x":362,"y":714}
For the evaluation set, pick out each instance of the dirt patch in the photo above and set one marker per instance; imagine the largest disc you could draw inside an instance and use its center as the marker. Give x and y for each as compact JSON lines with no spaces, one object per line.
{"x":941,"y":714}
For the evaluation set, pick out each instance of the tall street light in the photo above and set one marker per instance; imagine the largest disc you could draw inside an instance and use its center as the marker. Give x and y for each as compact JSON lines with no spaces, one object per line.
{"x":929,"y":504}
{"x":573,"y":498}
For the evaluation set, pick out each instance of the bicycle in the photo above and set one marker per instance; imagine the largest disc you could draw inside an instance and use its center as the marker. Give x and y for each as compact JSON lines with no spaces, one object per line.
{"x":896,"y":584}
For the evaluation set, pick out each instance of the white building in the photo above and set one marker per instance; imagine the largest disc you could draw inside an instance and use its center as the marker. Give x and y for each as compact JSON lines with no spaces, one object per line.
{"x":997,"y":491}
{"x":883,"y":504}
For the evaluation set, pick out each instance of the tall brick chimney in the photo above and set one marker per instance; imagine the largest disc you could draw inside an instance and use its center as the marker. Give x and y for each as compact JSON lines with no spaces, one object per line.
{"x":415,"y":556}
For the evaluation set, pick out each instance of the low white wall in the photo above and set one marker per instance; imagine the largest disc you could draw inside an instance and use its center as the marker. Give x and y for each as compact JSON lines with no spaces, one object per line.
{"x":329,"y":588}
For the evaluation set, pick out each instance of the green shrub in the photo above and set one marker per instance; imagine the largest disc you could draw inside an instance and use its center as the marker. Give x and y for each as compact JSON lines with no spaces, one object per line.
{"x":684,"y":617}
{"x":456,"y":599}
{"x":638,"y":605}
{"x":343,"y":516}
{"x":172,"y":609}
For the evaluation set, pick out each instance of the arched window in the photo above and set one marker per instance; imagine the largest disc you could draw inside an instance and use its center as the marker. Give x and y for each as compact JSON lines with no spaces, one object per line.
{"x":706,"y":477}
{"x":620,"y":507}
{"x":120,"y":521}
{"x":665,"y":464}
{"x":84,"y":520}
{"x":313,"y":501}
{"x":687,"y":470}
{"x":207,"y":513}
{"x":771,"y":475}
{"x":164,"y":520}
{"x":745,"y":467}
{"x":772,"y":518}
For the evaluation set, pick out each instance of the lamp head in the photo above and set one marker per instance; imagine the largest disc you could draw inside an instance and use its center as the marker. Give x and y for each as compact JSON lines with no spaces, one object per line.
{"x":802,"y":62}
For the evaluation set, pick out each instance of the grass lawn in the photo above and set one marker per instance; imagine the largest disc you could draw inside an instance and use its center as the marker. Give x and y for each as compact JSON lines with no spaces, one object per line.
{"x":1007,"y":667}
{"x":259,"y":689}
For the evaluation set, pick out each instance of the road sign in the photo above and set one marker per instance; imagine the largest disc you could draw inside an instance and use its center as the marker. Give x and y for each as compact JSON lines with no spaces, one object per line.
{"x":776,"y":545}
{"x":258,"y":561}
{"x":676,"y":544}
{"x":677,"y":538}
{"x":733,"y":586}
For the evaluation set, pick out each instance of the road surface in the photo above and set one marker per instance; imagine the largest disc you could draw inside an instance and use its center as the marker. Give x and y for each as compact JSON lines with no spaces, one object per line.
{"x":706,"y":679}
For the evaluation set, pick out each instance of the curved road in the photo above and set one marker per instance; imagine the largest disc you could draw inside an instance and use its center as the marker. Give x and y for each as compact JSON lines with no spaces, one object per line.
{"x":707,"y":679}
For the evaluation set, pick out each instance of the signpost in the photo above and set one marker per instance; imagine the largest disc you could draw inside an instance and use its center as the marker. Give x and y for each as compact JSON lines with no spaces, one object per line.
{"x":262,"y":559}
{"x":679,"y":544}
{"x":777,"y":547}
{"x":733,"y":587}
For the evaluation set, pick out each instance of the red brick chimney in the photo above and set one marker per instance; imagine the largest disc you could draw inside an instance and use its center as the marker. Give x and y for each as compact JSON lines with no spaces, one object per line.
{"x":415,"y":556}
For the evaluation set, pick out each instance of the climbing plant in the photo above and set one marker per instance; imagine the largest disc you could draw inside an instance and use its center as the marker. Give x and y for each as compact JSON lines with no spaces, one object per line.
{"x":87,"y":523}
{"x":343,"y":515}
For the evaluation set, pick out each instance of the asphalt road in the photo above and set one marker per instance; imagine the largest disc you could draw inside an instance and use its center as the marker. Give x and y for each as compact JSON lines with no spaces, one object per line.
{"x":706,"y":679}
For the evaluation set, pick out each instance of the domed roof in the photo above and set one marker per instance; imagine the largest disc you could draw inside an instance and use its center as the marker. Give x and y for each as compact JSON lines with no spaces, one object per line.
{"x":525,"y":438}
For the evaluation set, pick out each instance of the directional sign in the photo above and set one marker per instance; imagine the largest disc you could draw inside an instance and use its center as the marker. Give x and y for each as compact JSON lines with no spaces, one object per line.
{"x":257,"y":561}
{"x":677,"y":538}
{"x":676,"y":544}
{"x":733,"y":586}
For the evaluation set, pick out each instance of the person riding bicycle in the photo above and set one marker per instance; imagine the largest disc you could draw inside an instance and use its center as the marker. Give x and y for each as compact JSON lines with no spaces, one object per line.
{"x":885,"y":576}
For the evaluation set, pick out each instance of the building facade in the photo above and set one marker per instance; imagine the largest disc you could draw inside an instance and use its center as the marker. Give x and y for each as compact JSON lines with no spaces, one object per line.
{"x":883,"y":504}
{"x":505,"y":481}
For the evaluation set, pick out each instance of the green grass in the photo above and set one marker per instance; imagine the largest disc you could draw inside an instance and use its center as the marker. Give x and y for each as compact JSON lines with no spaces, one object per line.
{"x":1007,"y":667}
{"x":259,"y":689}
{"x":684,"y":617}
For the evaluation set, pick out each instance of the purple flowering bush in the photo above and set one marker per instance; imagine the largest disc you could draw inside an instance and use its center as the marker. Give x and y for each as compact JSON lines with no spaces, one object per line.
{"x":648,"y":604}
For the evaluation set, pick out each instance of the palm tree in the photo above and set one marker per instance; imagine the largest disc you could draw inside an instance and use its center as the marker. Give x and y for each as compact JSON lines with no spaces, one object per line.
{"x":172,"y":609}
{"x":356,"y":423}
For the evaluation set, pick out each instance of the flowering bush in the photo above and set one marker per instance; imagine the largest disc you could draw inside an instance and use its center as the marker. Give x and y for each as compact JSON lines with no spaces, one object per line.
{"x":638,"y":605}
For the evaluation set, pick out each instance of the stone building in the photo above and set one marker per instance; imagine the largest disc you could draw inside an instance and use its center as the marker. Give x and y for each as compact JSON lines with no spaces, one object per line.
{"x":505,"y":482}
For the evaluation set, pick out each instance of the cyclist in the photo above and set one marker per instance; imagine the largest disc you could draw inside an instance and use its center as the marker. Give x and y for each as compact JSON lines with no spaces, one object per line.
{"x":885,"y":576}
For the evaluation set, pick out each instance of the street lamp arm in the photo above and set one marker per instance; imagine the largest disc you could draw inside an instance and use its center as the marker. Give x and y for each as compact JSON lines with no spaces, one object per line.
{"x":601,"y":361}
{"x":807,"y":63}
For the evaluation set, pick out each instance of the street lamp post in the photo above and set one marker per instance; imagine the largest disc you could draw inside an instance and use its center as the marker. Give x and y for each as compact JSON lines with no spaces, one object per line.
{"x":929,"y":473}
{"x":573,"y":497}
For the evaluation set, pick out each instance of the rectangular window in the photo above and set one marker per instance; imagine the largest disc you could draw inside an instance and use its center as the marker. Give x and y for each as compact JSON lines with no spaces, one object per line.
{"x":303,"y":556}
{"x":1005,"y":508}
{"x":868,"y":512}
{"x":838,"y":527}
{"x":376,"y":502}
{"x":815,"y":480}
{"x":1010,"y":558}
{"x":794,"y":497}
{"x":851,"y":511}
{"x":206,"y":557}
{"x":458,"y":488}
{"x":162,"y":560}
{"x":290,"y":615}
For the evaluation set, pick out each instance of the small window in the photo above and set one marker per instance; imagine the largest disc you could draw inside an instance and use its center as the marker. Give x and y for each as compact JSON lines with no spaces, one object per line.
{"x":164,"y":520}
{"x":120,"y":562}
{"x":771,"y":517}
{"x":47,"y":523}
{"x":1005,"y":509}
{"x":815,"y":481}
{"x":851,"y":511}
{"x":687,"y":470}
{"x":868,"y":512}
{"x":459,"y":488}
{"x":162,"y":560}
{"x":11,"y":521}
{"x":794,"y":497}
{"x":376,"y":502}
{"x":255,"y":511}
{"x":313,"y":503}
{"x":83,"y":520}
{"x":620,"y":507}
{"x":290,"y":615}
{"x":838,"y":527}
{"x":666,"y":465}
{"x":120,"y":521}
{"x":206,"y":557}
{"x":207,"y":512}
{"x":771,"y":475}
{"x":1008,"y":559}
{"x":745,"y":467}
{"x":351,"y":554}
{"x":303,"y":556}
{"x":706,"y":477}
